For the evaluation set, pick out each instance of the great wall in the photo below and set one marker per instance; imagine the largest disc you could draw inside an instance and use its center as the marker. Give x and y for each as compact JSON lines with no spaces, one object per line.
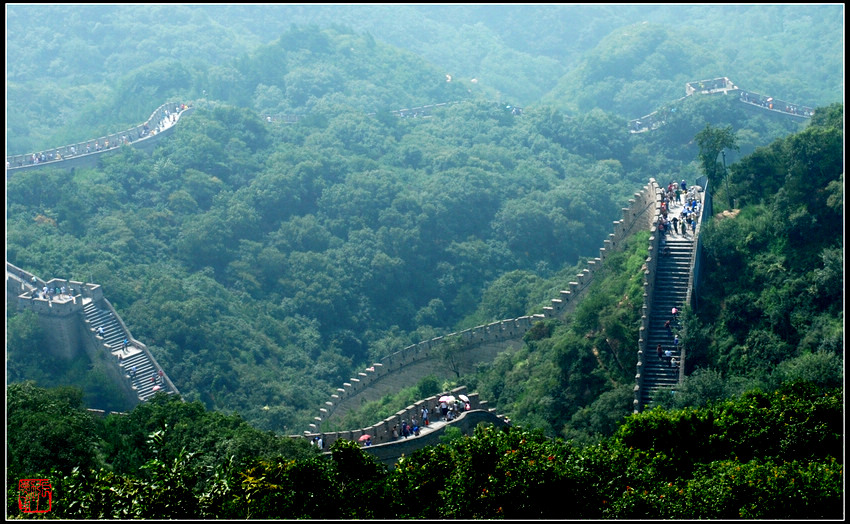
{"x":144,"y":136}
{"x":78,"y":320}
{"x":65,"y":319}
{"x":482,"y":343}
{"x":161,"y":123}
{"x":73,"y":327}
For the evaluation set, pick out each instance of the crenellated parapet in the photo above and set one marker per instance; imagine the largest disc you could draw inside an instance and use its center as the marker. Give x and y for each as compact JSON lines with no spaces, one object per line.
{"x":649,"y":268}
{"x":393,"y":371}
{"x":482,"y":343}
{"x":637,"y":216}
{"x":382,"y":431}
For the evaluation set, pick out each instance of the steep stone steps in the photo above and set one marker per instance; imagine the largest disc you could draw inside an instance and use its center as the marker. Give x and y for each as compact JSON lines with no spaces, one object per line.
{"x":670,"y":291}
{"x":138,"y":367}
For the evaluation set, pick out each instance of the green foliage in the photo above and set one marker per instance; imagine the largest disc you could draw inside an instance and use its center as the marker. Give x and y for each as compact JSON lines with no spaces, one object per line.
{"x":703,"y":387}
{"x":30,"y":360}
{"x":796,"y":422}
{"x":563,"y":370}
{"x":264,"y":262}
{"x":822,"y":368}
{"x":761,"y":490}
{"x":776,"y":315}
{"x":602,"y":418}
{"x":160,"y":439}
{"x":47,"y":430}
{"x":761,"y":455}
{"x":269,"y":490}
{"x":240,"y":251}
{"x":24,"y":340}
{"x":493,"y":474}
{"x":621,"y":58}
{"x":712,"y":142}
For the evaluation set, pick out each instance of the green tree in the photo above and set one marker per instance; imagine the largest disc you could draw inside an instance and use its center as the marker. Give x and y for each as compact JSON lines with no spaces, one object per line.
{"x":47,"y":429}
{"x":823,"y":368}
{"x":712,"y":141}
{"x":601,"y":418}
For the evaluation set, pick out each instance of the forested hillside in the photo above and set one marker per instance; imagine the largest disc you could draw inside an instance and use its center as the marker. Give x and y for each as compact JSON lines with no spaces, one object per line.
{"x":255,"y":260}
{"x":769,"y":312}
{"x":264,"y":263}
{"x":71,"y":70}
{"x":641,"y":65}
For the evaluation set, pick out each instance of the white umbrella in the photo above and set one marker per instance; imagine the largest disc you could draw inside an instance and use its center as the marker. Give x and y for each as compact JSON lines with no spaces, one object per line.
{"x":463,"y":398}
{"x":447,"y":398}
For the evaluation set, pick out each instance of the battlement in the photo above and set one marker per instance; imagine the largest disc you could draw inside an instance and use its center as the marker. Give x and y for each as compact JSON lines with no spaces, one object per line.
{"x":482,"y":343}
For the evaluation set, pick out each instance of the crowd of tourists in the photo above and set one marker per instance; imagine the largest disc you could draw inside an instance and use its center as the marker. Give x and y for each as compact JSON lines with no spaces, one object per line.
{"x":447,"y":409}
{"x":52,"y":293}
{"x":768,"y":102}
{"x":670,"y":223}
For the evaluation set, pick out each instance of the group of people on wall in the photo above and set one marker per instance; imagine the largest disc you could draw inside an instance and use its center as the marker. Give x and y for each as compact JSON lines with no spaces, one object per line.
{"x":169,"y":117}
{"x":686,"y":219}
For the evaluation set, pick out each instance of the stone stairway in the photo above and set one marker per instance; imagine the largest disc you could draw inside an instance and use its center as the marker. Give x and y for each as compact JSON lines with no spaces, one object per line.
{"x":138,"y":367}
{"x":141,"y":378}
{"x":113,"y":334}
{"x":670,"y":290}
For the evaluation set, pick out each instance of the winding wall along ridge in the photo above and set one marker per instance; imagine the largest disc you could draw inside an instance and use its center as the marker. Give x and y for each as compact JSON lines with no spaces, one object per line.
{"x":723,"y":86}
{"x":142,"y":136}
{"x":481,"y":343}
{"x":643,"y":210}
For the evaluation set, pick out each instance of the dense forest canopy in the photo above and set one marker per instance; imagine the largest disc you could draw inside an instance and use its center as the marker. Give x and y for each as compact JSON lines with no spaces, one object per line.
{"x":760,"y":456}
{"x":264,"y":263}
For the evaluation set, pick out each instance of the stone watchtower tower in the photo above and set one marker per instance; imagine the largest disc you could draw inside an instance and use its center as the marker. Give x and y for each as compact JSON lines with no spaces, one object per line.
{"x":64,"y":309}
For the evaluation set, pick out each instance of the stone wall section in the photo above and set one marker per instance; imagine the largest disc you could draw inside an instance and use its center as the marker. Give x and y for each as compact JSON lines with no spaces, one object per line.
{"x":648,"y":285}
{"x":649,"y":280}
{"x":143,"y":136}
{"x":392,"y":453}
{"x":381,"y":432}
{"x":69,"y":333}
{"x":482,"y":343}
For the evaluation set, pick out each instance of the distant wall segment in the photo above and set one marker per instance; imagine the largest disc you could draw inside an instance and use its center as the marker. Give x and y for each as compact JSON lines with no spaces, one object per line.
{"x":723,"y":86}
{"x":143,"y":136}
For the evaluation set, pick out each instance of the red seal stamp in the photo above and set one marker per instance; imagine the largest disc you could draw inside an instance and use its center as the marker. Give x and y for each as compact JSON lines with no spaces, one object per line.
{"x":34,"y":495}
